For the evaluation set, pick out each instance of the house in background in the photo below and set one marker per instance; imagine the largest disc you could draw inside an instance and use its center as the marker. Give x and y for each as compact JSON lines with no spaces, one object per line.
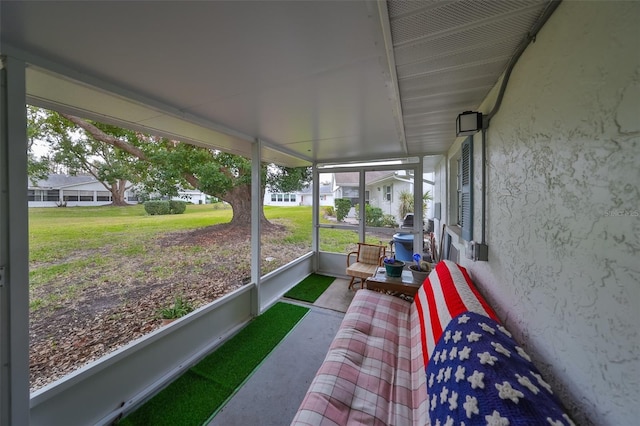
{"x":192,"y":196}
{"x":71,"y":191}
{"x":327,"y":195}
{"x":60,"y":189}
{"x":382,"y":190}
{"x":304,"y":197}
{"x":281,"y":199}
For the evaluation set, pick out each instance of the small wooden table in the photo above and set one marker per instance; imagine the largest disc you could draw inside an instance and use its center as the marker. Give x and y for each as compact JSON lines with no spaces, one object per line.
{"x":403,"y":285}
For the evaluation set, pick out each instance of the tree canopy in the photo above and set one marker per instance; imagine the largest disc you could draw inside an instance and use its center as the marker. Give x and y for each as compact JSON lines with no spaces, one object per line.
{"x":153,"y":164}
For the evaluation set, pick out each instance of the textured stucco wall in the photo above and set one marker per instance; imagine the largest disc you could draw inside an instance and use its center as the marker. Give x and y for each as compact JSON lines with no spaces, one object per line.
{"x":563,"y":213}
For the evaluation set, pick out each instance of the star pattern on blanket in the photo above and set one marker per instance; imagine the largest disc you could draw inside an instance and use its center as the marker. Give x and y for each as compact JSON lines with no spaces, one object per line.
{"x":443,"y":394}
{"x":523,"y":354}
{"x":483,"y":377}
{"x":453,"y":401}
{"x":487,"y":358}
{"x":496,"y":420}
{"x":505,"y":391}
{"x":526,"y":382}
{"x":487,"y":328}
{"x":453,"y":353}
{"x":504,"y":330}
{"x":568,"y":420}
{"x":501,"y":349}
{"x":464,"y":353}
{"x":448,"y":422}
{"x":476,"y":380}
{"x":473,"y":337}
{"x":541,"y":381}
{"x":553,"y":422}
{"x":447,"y":374}
{"x":470,"y":406}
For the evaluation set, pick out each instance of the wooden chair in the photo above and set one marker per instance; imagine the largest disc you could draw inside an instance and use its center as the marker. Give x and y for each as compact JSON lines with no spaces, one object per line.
{"x":363,"y":262}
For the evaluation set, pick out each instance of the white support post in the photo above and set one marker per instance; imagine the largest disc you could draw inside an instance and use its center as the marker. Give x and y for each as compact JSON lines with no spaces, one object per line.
{"x":256,"y":210}
{"x":361,"y":206}
{"x":418,"y":214}
{"x":14,"y":248}
{"x":315,"y":237}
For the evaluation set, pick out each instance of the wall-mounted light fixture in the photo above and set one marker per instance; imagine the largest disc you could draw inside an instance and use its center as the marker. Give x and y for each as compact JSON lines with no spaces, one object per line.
{"x":468,"y":123}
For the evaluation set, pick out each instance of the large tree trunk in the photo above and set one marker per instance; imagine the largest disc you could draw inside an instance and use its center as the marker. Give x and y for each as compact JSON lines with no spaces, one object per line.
{"x":240,"y":199}
{"x":117,"y":193}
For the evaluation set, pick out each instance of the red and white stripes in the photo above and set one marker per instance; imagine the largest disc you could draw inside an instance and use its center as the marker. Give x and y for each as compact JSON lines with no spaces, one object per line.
{"x":445,"y":294}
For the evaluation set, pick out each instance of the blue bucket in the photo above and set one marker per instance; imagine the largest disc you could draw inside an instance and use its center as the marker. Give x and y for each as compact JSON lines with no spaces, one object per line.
{"x":404,"y":246}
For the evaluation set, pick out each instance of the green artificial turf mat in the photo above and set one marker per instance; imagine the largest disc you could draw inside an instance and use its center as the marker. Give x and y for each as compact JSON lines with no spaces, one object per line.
{"x":193,"y":397}
{"x":309,"y":289}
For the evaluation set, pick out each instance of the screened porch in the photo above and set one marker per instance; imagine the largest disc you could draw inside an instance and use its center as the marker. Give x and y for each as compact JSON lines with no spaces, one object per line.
{"x":546,"y":220}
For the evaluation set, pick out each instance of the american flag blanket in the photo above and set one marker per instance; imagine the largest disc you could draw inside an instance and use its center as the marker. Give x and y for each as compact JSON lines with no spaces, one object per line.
{"x":478,"y":375}
{"x":445,"y":294}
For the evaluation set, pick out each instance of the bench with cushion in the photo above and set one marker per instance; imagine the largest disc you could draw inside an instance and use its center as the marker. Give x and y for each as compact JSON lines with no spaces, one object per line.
{"x":441,"y":359}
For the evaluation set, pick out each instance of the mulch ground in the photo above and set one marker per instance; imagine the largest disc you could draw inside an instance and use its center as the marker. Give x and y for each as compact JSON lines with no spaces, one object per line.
{"x":202,"y":265}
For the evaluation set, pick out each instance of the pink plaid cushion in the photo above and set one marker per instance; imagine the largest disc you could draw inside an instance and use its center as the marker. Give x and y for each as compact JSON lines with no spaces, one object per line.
{"x":371,"y":375}
{"x":445,"y":294}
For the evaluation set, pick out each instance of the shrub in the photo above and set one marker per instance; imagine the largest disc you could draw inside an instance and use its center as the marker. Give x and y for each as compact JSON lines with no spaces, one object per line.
{"x":177,"y":207}
{"x":389,"y":221}
{"x":342,"y":208}
{"x":373,"y":215}
{"x":406,"y":202}
{"x":157,"y":207}
{"x":329,"y":211}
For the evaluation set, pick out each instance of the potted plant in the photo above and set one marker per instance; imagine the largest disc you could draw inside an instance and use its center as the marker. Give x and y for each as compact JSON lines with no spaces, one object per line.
{"x":180,"y":308}
{"x":393,"y":267}
{"x":420,"y":269}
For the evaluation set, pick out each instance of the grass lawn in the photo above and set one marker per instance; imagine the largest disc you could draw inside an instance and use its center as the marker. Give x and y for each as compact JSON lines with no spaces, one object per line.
{"x":57,"y":233}
{"x":99,"y":275}
{"x":70,"y":249}
{"x":64,"y":241}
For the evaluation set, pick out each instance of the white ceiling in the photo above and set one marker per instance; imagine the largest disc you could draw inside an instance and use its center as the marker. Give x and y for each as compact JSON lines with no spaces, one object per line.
{"x":321,"y":81}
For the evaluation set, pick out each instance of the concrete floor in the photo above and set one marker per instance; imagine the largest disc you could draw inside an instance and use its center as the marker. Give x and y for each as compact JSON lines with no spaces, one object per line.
{"x":272,"y":395}
{"x":337,"y":297}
